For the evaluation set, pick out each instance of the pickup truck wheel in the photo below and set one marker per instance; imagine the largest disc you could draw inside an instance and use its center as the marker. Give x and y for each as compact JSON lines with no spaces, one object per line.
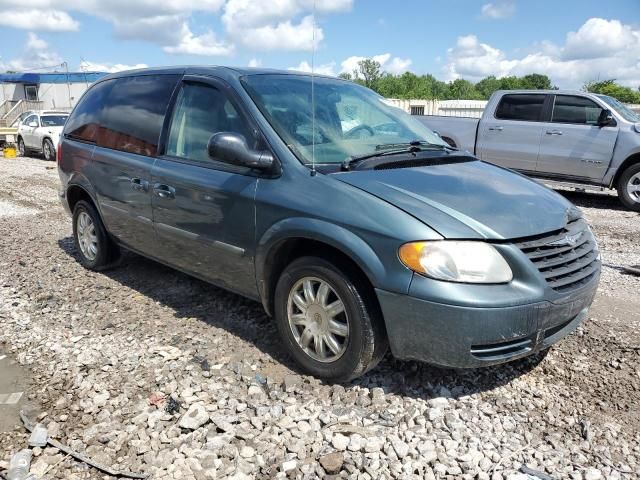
{"x":629,"y":187}
{"x":48,"y":151}
{"x":326,"y":320}
{"x":97,"y":251}
{"x":21,"y":147}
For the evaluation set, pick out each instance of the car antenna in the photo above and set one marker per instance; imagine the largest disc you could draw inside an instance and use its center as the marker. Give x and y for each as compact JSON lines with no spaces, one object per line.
{"x":313,"y":94}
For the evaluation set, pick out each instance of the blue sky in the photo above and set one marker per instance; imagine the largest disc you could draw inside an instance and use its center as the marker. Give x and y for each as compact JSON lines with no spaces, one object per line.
{"x":570,"y":40}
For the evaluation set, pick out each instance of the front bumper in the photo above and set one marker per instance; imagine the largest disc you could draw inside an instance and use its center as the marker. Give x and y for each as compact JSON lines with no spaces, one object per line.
{"x":466,"y":337}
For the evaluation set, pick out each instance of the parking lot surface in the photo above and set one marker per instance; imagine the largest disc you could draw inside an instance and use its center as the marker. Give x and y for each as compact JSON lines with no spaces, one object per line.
{"x":145,"y":369}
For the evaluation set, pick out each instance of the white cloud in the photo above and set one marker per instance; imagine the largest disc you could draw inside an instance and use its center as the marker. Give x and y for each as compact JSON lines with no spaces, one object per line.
{"x":254,"y":63}
{"x":88,"y":66}
{"x":599,"y":38}
{"x":325,"y":69}
{"x":283,"y":36}
{"x":41,"y":20}
{"x":599,"y":49}
{"x":255,"y":24}
{"x":277,"y":24}
{"x":206,"y":44}
{"x":393,"y":65}
{"x":36,"y":54}
{"x":498,"y":10}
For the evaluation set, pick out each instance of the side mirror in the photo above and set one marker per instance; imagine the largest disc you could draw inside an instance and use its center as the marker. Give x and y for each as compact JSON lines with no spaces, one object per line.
{"x":33,"y":124}
{"x":232,"y":148}
{"x":605,"y":118}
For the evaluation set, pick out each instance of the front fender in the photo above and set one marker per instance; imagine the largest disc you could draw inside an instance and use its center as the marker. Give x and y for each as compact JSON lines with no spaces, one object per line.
{"x":337,"y":237}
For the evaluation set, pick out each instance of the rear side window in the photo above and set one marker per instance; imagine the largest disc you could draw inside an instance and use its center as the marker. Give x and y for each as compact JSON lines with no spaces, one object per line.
{"x":134,"y":113}
{"x":84,"y":121}
{"x":525,"y":108}
{"x":576,"y":110}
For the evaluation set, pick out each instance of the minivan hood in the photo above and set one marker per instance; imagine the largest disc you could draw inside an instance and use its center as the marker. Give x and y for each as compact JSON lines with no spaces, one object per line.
{"x":467,"y":200}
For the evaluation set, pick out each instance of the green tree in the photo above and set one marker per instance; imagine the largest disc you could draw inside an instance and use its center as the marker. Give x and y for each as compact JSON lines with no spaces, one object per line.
{"x":369,"y":71}
{"x":345,"y":76}
{"x":611,"y":88}
{"x":463,"y":89}
{"x":536,"y":81}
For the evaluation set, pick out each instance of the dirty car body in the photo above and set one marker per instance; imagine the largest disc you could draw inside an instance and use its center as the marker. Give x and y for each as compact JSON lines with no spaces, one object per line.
{"x":354,"y":225}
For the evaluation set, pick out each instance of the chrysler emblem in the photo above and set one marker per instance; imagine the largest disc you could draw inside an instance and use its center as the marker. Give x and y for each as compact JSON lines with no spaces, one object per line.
{"x":567,"y":241}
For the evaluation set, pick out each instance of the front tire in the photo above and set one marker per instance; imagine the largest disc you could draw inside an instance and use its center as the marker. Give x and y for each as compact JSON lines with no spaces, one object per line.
{"x":22,"y":149}
{"x":328,"y":320}
{"x":48,"y":151}
{"x":97,"y":251}
{"x":629,"y":187}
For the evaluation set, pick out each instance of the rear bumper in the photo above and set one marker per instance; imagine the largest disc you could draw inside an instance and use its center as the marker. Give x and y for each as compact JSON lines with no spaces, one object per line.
{"x":467,"y":337}
{"x":63,"y":199}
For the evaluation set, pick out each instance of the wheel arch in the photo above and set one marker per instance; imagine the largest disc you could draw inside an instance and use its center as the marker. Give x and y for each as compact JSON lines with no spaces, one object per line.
{"x":295,"y":238}
{"x":632,"y":159}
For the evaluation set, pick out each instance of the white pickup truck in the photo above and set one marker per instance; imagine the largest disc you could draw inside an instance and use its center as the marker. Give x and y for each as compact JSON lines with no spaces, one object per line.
{"x":574,"y":138}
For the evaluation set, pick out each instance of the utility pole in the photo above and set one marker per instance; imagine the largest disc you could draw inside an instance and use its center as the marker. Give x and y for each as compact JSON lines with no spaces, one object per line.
{"x":66,"y":67}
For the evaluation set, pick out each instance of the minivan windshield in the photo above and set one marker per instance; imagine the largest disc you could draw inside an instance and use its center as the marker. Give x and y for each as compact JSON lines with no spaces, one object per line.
{"x":53,"y":120}
{"x":350,"y":120}
{"x":624,"y":111}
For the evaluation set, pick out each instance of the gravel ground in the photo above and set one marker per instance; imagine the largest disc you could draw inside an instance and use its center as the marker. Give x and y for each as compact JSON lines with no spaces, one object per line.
{"x":148,"y":370}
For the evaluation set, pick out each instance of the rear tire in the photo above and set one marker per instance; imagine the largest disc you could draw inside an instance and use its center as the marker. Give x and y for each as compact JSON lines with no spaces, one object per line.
{"x":48,"y":151}
{"x":353,"y":340}
{"x":96,"y":250}
{"x":628,"y":187}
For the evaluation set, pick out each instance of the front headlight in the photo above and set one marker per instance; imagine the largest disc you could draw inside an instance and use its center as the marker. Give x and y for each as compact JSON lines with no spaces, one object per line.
{"x":456,"y":261}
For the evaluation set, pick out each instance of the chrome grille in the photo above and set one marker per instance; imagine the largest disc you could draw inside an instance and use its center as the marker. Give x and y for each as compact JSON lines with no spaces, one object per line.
{"x":567,"y":259}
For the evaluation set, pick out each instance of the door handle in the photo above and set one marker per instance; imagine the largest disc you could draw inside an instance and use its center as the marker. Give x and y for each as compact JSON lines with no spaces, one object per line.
{"x":164,"y":191}
{"x":497,"y":129}
{"x":139,"y":185}
{"x":554,"y":132}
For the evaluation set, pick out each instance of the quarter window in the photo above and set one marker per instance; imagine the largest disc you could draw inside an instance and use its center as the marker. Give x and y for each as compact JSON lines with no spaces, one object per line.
{"x":84,"y":121}
{"x":525,"y":108}
{"x":577,"y":110}
{"x":31,"y":118}
{"x":200,"y":112}
{"x":134,"y":113}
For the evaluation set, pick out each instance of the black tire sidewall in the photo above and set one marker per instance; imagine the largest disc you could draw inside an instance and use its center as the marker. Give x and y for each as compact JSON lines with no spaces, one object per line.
{"x":361,"y":342}
{"x":22,"y":148}
{"x":626,"y":200}
{"x":103,"y":257}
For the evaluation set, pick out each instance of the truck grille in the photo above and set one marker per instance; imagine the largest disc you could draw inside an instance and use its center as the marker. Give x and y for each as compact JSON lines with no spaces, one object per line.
{"x":567,"y":258}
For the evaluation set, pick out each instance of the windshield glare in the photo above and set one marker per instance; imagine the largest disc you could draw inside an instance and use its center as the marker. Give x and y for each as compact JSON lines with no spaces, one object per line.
{"x":53,"y":120}
{"x":350,"y":120}
{"x":624,"y":111}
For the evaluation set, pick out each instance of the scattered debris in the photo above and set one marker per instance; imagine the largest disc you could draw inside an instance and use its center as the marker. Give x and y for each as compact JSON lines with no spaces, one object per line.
{"x":157,"y":399}
{"x":78,"y":456}
{"x":20,"y":465}
{"x":39,"y":436}
{"x":535,"y":474}
{"x":633,"y":269}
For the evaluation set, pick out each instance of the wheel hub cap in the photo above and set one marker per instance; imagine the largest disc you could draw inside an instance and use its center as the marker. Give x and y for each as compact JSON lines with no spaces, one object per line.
{"x":633,"y":187}
{"x":318,"y":319}
{"x":87,"y":239}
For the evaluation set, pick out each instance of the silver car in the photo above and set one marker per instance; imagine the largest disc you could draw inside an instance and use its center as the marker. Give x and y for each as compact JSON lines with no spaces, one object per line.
{"x":40,"y":132}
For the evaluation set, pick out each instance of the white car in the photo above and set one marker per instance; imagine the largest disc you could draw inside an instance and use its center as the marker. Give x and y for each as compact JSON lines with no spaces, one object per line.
{"x":40,"y":132}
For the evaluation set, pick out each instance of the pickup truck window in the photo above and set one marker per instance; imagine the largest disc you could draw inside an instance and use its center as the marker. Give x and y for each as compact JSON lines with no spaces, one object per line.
{"x":522,"y":107}
{"x":576,"y":110}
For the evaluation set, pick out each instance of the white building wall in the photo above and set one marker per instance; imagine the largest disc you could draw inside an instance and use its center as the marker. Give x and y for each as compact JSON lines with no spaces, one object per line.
{"x":53,"y":95}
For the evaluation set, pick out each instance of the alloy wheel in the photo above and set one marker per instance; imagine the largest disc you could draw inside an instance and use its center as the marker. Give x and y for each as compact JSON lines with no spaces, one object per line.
{"x":318,"y":319}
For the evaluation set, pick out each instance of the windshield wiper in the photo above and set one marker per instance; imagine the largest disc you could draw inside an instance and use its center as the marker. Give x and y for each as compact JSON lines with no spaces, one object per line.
{"x":387,"y":149}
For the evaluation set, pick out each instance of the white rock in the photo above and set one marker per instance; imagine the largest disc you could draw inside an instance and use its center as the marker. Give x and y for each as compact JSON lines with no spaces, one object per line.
{"x":340,"y":442}
{"x":195,"y":417}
